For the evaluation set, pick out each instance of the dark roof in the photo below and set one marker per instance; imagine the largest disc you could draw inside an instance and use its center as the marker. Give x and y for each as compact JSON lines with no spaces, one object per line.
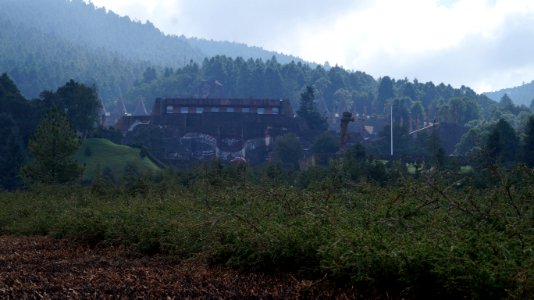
{"x":160,"y":105}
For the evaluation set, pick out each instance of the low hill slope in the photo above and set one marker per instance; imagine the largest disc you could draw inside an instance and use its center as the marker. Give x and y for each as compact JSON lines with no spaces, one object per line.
{"x":101,"y":155}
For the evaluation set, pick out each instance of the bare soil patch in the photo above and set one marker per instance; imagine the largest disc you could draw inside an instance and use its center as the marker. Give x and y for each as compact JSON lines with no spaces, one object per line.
{"x":47,"y":268}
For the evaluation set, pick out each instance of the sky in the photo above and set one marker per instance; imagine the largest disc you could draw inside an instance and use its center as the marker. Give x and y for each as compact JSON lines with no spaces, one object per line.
{"x":484,"y":44}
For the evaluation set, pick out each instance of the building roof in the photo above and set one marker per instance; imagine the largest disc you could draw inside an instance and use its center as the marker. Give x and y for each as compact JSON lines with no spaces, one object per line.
{"x":140,"y":108}
{"x":160,"y":105}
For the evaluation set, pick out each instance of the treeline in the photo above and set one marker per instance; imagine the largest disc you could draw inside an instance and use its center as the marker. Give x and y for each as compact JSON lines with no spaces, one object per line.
{"x":62,"y":116}
{"x":84,"y":25}
{"x":213,"y":48}
{"x":493,"y":142}
{"x":45,"y":43}
{"x":37,"y":61}
{"x":513,"y":121}
{"x":336,"y":88}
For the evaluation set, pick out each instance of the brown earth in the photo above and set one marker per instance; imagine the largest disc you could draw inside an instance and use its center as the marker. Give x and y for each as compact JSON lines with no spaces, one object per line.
{"x":47,"y":268}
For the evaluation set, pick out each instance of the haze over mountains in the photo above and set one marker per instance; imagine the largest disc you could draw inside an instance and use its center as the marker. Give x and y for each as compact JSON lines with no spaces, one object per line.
{"x":45,"y":43}
{"x":521,"y":95}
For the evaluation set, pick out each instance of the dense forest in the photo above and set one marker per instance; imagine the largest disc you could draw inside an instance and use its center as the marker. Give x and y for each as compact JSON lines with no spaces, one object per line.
{"x":95,"y":46}
{"x":42,"y":61}
{"x":338,"y":90}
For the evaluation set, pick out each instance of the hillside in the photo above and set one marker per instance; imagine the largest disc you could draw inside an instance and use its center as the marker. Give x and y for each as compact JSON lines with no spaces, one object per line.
{"x":100,"y":154}
{"x":85,"y":25}
{"x":45,"y":43}
{"x":43,"y":61}
{"x":520,"y":95}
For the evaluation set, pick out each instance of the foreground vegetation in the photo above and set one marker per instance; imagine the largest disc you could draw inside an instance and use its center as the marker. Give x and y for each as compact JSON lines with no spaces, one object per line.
{"x":434,"y":236}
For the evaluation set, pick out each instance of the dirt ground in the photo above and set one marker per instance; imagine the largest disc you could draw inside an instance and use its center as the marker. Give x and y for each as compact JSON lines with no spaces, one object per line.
{"x":46,"y":268}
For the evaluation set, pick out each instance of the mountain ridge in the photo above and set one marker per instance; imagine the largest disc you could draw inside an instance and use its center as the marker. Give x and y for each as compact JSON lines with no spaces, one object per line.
{"x":520,"y":95}
{"x":75,"y":26}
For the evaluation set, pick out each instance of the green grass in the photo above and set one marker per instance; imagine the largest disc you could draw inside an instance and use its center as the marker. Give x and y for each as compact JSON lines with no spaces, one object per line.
{"x":103,"y":154}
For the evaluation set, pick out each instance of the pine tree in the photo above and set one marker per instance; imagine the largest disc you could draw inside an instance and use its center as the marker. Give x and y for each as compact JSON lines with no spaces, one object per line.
{"x":51,"y":150}
{"x":308,"y":111}
{"x":502,"y":143}
{"x":528,"y":143}
{"x":288,"y":150}
{"x":79,"y":102}
{"x":385,"y":92}
{"x":12,"y":153}
{"x":435,"y":148}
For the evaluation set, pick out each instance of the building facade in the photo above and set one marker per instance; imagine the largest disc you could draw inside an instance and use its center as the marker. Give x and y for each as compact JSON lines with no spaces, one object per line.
{"x":184,"y":130}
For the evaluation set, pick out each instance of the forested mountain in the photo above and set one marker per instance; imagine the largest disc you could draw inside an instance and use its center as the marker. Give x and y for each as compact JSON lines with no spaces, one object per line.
{"x":87,"y":26}
{"x":231,"y":49}
{"x":37,"y":61}
{"x":520,"y":95}
{"x":336,"y":89}
{"x":47,"y":42}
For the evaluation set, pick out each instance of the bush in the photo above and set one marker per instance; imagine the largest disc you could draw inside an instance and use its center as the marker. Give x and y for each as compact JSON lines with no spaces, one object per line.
{"x":426,"y":237}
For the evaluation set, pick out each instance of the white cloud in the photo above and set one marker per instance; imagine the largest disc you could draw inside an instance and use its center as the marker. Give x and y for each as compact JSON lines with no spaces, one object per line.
{"x":485,"y":44}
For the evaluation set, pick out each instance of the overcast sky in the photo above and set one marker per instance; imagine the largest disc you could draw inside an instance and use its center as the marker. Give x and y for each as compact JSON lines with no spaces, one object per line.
{"x":484,"y":44}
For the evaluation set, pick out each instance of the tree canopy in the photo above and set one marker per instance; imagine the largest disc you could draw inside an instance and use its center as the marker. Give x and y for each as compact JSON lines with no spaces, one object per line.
{"x":502,"y":143}
{"x":79,"y":102}
{"x":51,"y":150}
{"x":308,"y":111}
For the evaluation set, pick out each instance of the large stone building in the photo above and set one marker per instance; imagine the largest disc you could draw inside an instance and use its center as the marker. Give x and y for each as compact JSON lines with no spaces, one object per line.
{"x":182,"y":130}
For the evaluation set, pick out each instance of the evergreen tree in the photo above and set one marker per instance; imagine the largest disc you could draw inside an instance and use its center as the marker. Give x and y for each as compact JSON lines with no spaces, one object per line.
{"x":11,"y":153}
{"x":355,"y":161}
{"x":528,"y":143}
{"x":325,"y":147}
{"x":385,"y":92}
{"x":502,"y":143}
{"x":506,"y":104}
{"x":435,"y":148}
{"x":418,"y":115}
{"x":410,"y":92}
{"x":17,"y":107}
{"x":309,"y":113}
{"x":79,"y":102}
{"x":401,"y":111}
{"x":51,"y":150}
{"x":288,"y":150}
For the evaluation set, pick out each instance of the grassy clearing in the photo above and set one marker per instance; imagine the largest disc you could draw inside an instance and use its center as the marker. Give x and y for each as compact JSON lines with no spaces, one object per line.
{"x":99,"y":154}
{"x":423,"y":238}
